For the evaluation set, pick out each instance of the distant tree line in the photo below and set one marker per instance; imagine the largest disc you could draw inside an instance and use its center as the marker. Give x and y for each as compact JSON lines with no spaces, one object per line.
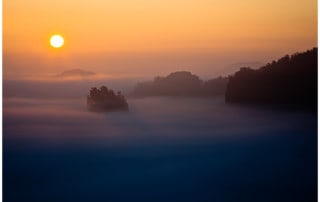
{"x":105,"y":99}
{"x":290,"y":81}
{"x":181,"y":83}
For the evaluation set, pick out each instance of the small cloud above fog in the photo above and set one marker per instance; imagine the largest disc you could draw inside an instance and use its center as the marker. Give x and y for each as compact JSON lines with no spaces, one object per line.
{"x":75,"y":75}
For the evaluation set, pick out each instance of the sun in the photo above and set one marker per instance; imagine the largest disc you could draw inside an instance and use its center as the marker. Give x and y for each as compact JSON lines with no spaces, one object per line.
{"x":56,"y":41}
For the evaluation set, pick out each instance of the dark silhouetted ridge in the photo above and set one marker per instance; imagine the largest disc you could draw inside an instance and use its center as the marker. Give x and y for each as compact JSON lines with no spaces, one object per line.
{"x":291,"y":81}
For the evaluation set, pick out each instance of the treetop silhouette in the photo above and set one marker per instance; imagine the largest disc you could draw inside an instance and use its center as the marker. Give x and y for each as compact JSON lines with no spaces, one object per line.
{"x":104,"y":99}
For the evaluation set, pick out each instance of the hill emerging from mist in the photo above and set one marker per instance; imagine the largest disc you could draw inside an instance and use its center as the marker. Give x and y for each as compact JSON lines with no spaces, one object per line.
{"x":290,"y":81}
{"x":181,"y":83}
{"x":76,"y":73}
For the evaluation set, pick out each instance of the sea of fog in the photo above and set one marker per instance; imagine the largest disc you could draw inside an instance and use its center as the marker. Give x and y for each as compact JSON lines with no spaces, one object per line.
{"x":163,"y":149}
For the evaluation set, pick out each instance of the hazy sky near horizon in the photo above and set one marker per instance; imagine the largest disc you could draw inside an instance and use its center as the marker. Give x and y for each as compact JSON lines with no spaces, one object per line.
{"x":143,"y":37}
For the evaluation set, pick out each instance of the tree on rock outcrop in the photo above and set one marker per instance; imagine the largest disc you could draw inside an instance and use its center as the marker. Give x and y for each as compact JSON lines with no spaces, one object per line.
{"x":104,"y":99}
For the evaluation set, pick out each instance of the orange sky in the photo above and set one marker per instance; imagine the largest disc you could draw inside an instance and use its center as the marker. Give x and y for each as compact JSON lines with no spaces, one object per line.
{"x":106,"y":28}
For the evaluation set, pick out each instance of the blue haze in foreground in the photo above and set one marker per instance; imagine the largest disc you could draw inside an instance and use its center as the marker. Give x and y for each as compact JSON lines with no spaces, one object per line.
{"x":163,"y":149}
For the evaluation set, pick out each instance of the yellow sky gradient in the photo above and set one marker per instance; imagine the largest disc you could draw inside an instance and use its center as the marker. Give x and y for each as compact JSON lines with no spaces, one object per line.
{"x":105,"y":26}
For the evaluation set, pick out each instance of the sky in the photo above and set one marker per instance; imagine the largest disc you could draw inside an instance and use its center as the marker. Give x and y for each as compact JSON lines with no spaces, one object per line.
{"x":144,"y":38}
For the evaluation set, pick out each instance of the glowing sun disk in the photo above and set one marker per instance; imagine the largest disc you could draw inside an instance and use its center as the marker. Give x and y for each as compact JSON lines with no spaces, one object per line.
{"x":56,"y":41}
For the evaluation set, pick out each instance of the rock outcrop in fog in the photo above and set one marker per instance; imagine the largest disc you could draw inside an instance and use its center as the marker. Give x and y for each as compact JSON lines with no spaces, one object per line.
{"x":104,"y":99}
